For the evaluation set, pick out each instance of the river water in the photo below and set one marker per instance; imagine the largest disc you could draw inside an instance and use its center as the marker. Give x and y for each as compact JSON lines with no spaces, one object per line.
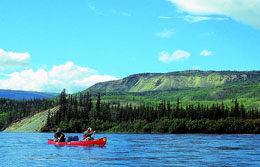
{"x":31,"y":149}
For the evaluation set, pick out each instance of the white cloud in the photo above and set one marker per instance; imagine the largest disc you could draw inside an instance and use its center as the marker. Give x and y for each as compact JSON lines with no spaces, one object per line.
{"x":165,"y":33}
{"x":245,"y":11}
{"x":91,"y":7}
{"x":178,"y":55}
{"x":194,"y":19}
{"x":96,"y":10}
{"x":91,"y":80}
{"x":13,"y":59}
{"x":70,"y":76}
{"x":164,"y":56}
{"x":164,"y":17}
{"x":122,"y":13}
{"x":205,"y":53}
{"x":105,"y":12}
{"x":219,"y":18}
{"x":125,"y":14}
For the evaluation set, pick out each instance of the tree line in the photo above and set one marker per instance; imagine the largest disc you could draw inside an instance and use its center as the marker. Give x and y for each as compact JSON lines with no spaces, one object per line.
{"x":14,"y":110}
{"x":76,"y":113}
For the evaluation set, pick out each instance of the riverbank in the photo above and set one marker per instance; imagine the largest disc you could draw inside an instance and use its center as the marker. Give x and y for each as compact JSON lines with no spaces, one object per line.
{"x":175,"y":126}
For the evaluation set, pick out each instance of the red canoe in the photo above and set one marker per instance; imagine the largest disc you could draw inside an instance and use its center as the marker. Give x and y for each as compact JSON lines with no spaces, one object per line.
{"x":98,"y":142}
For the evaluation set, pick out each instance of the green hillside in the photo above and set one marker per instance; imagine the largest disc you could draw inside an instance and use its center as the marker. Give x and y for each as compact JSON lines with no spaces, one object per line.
{"x":31,"y":124}
{"x":190,"y":86}
{"x":176,"y":80}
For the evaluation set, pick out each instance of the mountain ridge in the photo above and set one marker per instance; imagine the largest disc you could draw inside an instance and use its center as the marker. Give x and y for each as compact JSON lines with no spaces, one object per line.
{"x":143,"y":82}
{"x":24,"y":95}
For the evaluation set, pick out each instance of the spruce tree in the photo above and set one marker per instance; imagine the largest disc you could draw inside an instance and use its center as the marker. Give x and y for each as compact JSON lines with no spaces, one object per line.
{"x":98,"y":104}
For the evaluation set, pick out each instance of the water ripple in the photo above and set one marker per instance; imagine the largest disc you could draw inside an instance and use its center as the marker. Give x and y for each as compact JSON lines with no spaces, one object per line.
{"x":26,"y":149}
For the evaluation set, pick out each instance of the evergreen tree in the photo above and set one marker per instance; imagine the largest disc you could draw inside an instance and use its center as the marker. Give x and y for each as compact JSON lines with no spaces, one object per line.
{"x":98,"y":104}
{"x":80,"y":99}
{"x":236,"y":109}
{"x":177,"y":109}
{"x":243,"y":111}
{"x":63,"y":106}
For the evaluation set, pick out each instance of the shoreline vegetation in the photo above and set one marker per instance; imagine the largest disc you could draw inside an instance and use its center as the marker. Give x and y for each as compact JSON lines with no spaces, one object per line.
{"x":78,"y":113}
{"x":75,"y":113}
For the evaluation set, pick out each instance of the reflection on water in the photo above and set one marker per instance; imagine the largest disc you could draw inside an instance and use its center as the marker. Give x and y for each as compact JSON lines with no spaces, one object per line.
{"x":31,"y":149}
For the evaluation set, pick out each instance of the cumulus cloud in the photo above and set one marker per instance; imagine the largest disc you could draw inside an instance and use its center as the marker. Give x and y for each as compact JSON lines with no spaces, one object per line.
{"x":205,"y":53}
{"x":13,"y":59}
{"x":178,"y":55}
{"x":194,"y":19}
{"x":69,"y":75}
{"x":165,"y":33}
{"x":245,"y":11}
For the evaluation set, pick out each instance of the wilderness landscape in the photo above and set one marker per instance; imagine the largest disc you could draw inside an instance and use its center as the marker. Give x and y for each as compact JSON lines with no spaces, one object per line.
{"x":130,"y":83}
{"x":176,"y":102}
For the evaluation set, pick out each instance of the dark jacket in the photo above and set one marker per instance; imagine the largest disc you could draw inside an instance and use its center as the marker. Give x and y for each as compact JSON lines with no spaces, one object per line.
{"x":58,"y":135}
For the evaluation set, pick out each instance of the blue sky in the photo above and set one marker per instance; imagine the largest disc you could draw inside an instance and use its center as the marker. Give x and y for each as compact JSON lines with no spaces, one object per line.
{"x":49,"y":45}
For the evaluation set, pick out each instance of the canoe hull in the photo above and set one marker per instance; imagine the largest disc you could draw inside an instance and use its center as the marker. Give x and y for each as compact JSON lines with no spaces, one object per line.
{"x":98,"y":142}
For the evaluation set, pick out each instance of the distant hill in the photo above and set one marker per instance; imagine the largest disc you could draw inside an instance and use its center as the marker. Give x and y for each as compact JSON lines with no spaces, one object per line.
{"x":19,"y":95}
{"x":177,"y":80}
{"x":191,"y":87}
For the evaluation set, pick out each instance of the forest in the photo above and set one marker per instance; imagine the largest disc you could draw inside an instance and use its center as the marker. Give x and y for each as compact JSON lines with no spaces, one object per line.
{"x":14,"y":110}
{"x":76,"y":113}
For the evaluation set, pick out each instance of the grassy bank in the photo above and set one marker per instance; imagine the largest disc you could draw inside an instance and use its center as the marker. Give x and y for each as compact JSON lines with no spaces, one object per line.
{"x":31,"y":124}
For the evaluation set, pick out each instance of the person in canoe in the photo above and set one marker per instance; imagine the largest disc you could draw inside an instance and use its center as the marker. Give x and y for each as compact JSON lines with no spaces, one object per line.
{"x":59,"y":136}
{"x":87,"y":135}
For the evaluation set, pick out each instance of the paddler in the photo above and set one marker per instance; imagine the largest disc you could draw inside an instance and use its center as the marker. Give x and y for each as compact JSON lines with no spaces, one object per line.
{"x":87,"y":134}
{"x":59,"y":136}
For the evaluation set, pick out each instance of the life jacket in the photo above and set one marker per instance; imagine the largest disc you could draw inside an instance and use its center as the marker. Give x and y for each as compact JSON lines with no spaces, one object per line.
{"x":84,"y":136}
{"x":88,"y":135}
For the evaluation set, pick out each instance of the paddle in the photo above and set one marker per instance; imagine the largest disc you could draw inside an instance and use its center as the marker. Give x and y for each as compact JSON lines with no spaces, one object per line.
{"x":90,"y":136}
{"x":60,"y":137}
{"x":94,"y":134}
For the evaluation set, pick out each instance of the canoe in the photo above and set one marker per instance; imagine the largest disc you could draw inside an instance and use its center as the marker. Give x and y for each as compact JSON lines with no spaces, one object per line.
{"x":98,"y":142}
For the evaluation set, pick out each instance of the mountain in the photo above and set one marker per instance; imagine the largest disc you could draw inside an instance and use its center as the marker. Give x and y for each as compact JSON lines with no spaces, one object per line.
{"x":177,"y":80}
{"x":19,"y":95}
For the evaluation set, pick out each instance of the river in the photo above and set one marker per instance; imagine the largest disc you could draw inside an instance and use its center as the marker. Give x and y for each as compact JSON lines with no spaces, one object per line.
{"x":31,"y":149}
